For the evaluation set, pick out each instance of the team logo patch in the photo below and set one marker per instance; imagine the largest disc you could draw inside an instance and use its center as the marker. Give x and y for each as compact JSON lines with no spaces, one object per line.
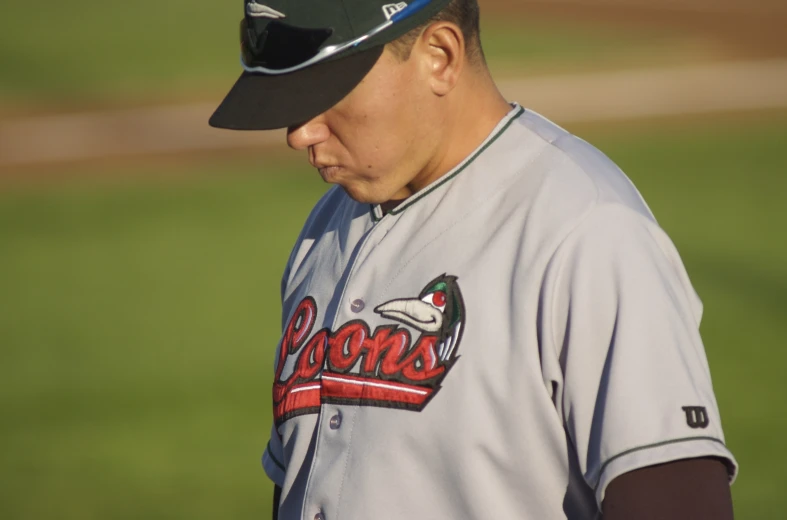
{"x":390,"y":367}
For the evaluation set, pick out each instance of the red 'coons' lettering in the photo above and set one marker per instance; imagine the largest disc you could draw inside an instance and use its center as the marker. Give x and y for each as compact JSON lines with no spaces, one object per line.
{"x":346,"y":345}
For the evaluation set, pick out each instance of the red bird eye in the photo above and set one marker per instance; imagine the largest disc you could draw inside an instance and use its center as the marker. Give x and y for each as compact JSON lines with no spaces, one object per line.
{"x":438,"y":298}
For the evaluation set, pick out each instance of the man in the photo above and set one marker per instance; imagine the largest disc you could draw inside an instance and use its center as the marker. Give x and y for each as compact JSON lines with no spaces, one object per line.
{"x":483,"y":319}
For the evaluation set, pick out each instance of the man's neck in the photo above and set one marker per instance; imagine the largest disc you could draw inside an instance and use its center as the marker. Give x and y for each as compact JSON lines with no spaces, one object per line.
{"x":471,"y":116}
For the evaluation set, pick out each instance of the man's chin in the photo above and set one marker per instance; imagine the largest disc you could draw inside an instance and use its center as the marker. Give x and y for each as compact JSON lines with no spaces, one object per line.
{"x":358,"y":190}
{"x":358,"y":194}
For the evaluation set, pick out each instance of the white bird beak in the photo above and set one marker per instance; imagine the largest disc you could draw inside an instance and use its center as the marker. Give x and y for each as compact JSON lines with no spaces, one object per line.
{"x":413,"y":312}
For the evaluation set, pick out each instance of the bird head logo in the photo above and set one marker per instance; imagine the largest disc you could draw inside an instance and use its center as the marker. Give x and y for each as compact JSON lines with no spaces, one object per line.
{"x":438,"y":310}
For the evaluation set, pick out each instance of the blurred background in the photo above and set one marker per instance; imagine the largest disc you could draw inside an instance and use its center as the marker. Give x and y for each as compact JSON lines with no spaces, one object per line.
{"x":141,"y":251}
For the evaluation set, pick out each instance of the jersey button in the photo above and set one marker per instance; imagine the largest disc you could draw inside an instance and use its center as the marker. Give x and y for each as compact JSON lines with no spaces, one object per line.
{"x":335,"y":422}
{"x":319,"y":516}
{"x":357,"y":305}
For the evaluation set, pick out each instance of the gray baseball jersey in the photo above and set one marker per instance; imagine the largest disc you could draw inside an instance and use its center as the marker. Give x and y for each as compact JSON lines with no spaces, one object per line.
{"x":501,"y":345}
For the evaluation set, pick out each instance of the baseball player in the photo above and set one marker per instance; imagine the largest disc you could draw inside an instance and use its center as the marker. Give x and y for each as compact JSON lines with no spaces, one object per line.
{"x":482,"y":319}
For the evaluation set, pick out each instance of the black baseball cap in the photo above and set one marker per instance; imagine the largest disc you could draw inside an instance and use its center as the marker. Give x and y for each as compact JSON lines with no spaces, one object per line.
{"x":283,"y":32}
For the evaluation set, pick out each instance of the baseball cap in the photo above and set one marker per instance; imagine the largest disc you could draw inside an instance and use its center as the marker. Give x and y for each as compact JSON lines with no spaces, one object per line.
{"x":285,"y":33}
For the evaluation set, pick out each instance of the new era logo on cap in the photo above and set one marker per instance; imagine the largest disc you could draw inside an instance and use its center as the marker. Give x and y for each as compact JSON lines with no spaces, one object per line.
{"x":392,"y":9}
{"x":256,"y":10}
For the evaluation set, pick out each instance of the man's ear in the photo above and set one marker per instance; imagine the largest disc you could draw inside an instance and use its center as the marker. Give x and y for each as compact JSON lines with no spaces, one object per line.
{"x":442,"y":51}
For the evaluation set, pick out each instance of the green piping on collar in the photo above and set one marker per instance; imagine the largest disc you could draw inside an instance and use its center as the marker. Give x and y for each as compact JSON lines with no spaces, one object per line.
{"x":420,"y":195}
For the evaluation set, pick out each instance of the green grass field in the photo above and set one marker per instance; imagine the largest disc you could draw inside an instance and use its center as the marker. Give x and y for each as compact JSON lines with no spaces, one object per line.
{"x":139,"y":310}
{"x":119,"y":52}
{"x":139,"y":315}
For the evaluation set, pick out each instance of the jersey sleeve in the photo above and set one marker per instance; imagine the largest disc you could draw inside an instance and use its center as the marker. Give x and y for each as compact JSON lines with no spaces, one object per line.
{"x":273,"y":459}
{"x":273,"y":456}
{"x":634,"y":387}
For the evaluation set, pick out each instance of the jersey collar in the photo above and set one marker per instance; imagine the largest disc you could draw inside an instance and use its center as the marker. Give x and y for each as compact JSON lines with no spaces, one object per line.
{"x":377,"y":211}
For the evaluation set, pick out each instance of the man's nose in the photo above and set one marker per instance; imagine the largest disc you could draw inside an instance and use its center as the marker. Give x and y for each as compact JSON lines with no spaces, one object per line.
{"x":308,"y":134}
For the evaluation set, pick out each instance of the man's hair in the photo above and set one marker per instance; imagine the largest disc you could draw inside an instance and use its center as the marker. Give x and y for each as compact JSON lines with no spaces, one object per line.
{"x":463,"y":13}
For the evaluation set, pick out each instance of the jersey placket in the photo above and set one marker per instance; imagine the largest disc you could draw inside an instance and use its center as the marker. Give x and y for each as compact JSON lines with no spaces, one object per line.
{"x":335,"y":424}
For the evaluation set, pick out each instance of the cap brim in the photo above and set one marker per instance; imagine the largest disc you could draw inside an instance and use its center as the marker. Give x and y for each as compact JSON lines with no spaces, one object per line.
{"x":267,"y":102}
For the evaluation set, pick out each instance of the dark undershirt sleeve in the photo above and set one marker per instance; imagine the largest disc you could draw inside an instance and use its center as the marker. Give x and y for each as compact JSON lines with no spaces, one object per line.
{"x":688,"y":489}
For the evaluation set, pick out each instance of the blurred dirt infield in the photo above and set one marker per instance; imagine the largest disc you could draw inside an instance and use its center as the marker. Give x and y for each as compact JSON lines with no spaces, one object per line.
{"x":629,"y":94}
{"x":752,"y":32}
{"x":748,"y":27}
